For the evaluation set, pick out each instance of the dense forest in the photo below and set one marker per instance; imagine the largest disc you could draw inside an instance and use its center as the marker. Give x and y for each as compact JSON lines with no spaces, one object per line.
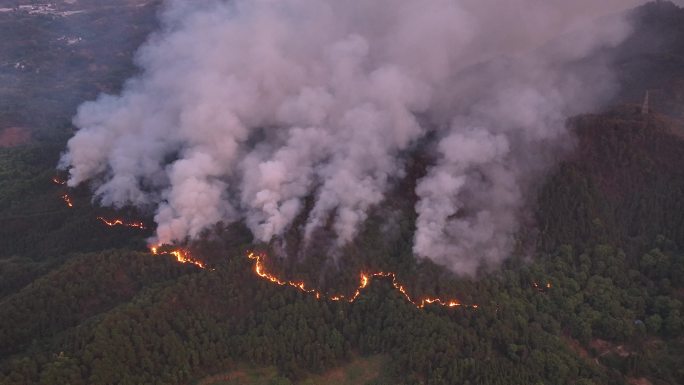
{"x":592,"y":295}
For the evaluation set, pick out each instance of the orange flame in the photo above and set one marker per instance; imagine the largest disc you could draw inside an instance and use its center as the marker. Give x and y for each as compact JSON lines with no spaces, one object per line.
{"x":57,"y":180}
{"x":542,"y":287}
{"x":182,"y":256}
{"x":121,"y":222}
{"x":365,"y":279}
{"x":67,"y":200}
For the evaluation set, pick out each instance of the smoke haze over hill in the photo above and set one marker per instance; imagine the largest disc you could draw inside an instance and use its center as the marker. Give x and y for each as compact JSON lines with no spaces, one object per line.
{"x":244,"y":109}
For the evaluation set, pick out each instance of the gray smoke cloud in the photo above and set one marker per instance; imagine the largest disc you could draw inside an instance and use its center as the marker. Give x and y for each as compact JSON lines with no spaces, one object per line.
{"x":245,"y":108}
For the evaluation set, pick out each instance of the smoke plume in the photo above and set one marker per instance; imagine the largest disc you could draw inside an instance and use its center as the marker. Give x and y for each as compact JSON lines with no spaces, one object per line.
{"x":244,"y":109}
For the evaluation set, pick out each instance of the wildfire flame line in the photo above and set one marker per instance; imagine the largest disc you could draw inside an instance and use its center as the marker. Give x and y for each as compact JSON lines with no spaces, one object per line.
{"x":121,"y":222}
{"x":181,"y":255}
{"x":365,"y":280}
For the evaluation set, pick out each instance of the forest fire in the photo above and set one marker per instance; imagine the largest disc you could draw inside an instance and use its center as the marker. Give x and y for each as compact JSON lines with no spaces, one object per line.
{"x":182,"y":256}
{"x":121,"y":222}
{"x":541,"y":287}
{"x":365,"y":279}
{"x":67,"y":199}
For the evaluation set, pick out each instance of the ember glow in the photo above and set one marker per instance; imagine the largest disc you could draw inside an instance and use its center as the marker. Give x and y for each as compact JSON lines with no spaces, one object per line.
{"x":121,"y":222}
{"x":365,"y":279}
{"x":57,"y":180}
{"x":67,"y":199}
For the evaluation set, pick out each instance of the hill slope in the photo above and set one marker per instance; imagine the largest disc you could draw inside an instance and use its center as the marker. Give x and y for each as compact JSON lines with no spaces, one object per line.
{"x":592,"y":296}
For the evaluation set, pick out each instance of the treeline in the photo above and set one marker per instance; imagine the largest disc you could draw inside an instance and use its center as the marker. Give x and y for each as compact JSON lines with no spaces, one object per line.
{"x":85,"y":286}
{"x":202,"y":323}
{"x":38,"y":231}
{"x":624,"y":186}
{"x":206,"y":321}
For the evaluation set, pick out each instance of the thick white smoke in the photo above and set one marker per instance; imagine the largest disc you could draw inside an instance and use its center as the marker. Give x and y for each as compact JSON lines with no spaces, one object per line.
{"x":244,"y":108}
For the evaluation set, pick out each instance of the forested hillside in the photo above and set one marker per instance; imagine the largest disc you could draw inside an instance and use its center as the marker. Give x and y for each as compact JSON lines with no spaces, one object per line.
{"x":592,"y":295}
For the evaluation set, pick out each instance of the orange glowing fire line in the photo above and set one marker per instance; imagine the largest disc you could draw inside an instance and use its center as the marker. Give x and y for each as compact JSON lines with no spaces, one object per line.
{"x":67,"y":200}
{"x":120,"y":222}
{"x":182,"y":256}
{"x":365,"y":280}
